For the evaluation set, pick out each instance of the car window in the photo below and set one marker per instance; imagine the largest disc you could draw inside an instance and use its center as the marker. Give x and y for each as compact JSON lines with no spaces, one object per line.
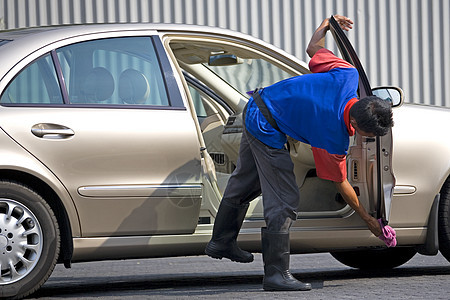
{"x":36,"y":84}
{"x":250,"y":74}
{"x":198,"y":103}
{"x":206,"y":102}
{"x":117,"y":71}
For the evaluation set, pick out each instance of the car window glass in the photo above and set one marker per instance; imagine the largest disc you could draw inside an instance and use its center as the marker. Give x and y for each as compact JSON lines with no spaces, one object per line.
{"x":198,"y":103}
{"x":36,"y":84}
{"x":250,"y":74}
{"x":118,"y":71}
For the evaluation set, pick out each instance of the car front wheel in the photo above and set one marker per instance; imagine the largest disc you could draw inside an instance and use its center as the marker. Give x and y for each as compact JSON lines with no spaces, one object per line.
{"x":29,"y":240}
{"x":376,"y":259}
{"x":444,"y":220}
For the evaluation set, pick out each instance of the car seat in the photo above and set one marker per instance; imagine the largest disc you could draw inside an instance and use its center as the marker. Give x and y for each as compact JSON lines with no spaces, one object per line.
{"x":133,"y":87}
{"x":98,"y":85}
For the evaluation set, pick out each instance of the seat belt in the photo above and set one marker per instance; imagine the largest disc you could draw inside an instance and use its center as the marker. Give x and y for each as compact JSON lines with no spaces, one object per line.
{"x":264,"y":110}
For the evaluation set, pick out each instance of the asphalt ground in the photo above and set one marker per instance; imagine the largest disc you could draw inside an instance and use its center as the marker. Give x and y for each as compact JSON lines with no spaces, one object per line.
{"x":201,"y":277}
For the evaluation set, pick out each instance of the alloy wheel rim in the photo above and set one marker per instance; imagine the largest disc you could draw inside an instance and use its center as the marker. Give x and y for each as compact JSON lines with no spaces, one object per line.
{"x":21,"y":241}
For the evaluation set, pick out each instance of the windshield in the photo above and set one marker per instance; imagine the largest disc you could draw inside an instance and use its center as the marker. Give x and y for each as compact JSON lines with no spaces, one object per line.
{"x":249,"y":74}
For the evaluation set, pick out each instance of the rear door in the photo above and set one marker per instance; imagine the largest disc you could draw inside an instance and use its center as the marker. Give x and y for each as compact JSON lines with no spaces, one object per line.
{"x":370,"y":159}
{"x":105,"y":115}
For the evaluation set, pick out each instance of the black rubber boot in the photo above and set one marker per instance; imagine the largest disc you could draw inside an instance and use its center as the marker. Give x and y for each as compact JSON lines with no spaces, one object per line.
{"x":226,"y":229}
{"x":276,"y":252}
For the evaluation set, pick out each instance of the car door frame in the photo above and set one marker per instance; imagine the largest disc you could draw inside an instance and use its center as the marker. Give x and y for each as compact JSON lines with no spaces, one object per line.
{"x":385,"y":180}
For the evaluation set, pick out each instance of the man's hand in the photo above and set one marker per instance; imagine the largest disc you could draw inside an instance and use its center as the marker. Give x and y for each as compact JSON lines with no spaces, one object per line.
{"x":317,"y":41}
{"x":343,"y":21}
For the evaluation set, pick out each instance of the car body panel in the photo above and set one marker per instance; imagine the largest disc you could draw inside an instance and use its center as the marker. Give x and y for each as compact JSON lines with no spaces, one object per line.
{"x":302,"y":241}
{"x":15,"y":158}
{"x":130,"y":156}
{"x":419,"y":142}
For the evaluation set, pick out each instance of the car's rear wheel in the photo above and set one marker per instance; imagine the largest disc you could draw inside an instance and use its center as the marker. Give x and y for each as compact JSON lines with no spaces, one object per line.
{"x":29,"y":240}
{"x":377,"y":259}
{"x":444,"y":220}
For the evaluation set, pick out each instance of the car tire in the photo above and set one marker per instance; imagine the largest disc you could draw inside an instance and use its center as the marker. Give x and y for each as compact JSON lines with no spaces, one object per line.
{"x":376,"y":259}
{"x":444,"y":220}
{"x":29,"y":240}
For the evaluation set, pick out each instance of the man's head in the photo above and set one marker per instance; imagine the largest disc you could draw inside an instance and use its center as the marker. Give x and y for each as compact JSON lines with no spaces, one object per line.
{"x":371,"y":116}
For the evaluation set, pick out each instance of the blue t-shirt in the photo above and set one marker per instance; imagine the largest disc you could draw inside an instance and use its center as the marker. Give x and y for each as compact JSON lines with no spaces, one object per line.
{"x":309,"y":108}
{"x":313,"y":109}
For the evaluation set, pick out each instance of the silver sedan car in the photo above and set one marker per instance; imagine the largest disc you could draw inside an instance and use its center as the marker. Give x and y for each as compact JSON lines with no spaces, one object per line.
{"x":117,"y":141}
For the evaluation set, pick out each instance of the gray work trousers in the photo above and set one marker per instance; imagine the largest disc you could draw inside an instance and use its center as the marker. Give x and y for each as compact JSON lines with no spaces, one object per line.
{"x":261,"y":168}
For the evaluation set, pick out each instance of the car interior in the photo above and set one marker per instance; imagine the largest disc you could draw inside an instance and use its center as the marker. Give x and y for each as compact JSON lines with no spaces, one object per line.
{"x":218,"y":77}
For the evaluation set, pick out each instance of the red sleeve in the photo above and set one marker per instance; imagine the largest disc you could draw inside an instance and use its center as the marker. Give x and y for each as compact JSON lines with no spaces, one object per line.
{"x":330,"y":166}
{"x":324,"y":60}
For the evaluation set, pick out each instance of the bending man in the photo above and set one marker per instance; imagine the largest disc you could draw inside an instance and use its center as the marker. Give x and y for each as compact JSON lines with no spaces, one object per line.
{"x":320,"y":109}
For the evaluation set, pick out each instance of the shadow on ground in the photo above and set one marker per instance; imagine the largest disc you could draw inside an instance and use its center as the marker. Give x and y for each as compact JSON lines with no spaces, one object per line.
{"x":191,"y":282}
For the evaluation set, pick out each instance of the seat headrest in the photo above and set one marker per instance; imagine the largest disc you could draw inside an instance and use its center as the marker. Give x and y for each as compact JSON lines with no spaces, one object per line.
{"x":98,"y":85}
{"x":133,"y":87}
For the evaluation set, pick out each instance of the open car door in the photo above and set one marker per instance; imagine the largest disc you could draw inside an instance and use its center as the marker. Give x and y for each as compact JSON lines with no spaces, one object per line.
{"x":369,"y":162}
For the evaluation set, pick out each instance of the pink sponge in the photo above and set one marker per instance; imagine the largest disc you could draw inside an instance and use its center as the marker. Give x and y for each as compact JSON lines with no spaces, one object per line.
{"x":388,"y":236}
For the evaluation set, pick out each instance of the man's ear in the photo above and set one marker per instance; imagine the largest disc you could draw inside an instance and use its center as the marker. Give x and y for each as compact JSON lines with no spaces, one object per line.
{"x":353,"y":122}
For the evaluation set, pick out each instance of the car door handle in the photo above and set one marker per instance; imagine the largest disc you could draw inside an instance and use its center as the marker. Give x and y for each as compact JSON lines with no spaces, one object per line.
{"x":51,"y":131}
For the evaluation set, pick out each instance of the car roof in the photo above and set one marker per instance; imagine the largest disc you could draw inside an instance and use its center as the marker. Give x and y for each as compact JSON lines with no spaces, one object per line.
{"x":19,"y":43}
{"x":50,"y":33}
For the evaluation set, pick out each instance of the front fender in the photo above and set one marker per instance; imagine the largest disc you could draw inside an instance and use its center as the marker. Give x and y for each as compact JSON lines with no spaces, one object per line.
{"x":421,"y":161}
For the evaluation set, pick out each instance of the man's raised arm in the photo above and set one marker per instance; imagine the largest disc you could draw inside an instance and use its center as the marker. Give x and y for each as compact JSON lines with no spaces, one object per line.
{"x":317,"y":41}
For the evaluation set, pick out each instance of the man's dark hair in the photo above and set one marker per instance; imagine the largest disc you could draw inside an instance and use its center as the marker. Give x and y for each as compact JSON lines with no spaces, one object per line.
{"x":373,"y":115}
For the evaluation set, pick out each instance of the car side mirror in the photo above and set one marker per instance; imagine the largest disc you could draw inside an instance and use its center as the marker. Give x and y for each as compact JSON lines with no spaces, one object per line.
{"x":389,"y":93}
